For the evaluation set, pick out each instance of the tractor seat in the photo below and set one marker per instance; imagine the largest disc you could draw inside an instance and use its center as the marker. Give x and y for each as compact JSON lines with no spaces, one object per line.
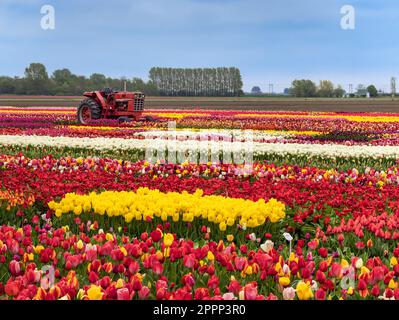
{"x":107,"y":91}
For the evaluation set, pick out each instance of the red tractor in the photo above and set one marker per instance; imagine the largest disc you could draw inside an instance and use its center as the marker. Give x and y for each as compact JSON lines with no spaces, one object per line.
{"x":109,"y":104}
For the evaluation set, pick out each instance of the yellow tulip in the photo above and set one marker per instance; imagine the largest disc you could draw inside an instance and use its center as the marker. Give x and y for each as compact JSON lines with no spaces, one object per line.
{"x":181,"y":206}
{"x":94,"y":292}
{"x":304,"y":291}
{"x":39,"y":249}
{"x":210,"y":256}
{"x":124,"y":251}
{"x":222,"y":226}
{"x":248,"y":270}
{"x":168,"y":239}
{"x":80,"y":245}
{"x":284,"y":281}
{"x":109,"y":237}
{"x":392,"y":284}
{"x":119,"y":284}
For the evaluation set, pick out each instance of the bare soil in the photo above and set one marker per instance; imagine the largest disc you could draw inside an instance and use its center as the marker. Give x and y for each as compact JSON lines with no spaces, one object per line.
{"x":244,"y":103}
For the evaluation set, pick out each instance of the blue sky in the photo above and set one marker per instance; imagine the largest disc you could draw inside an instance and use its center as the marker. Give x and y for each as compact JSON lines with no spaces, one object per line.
{"x":271,"y":41}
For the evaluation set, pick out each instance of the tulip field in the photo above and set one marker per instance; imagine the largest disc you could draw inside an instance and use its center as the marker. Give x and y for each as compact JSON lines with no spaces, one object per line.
{"x":86,"y":214}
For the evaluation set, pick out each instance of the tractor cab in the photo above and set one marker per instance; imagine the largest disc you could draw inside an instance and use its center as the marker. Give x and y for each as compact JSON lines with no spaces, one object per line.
{"x":106,"y":92}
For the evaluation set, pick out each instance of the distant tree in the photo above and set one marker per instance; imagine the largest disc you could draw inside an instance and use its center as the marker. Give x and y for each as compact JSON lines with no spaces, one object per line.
{"x":197,"y":82}
{"x":325,"y":89}
{"x":64,"y":82}
{"x":303,"y":88}
{"x":7,"y":85}
{"x":62,"y":76}
{"x":339,"y":92}
{"x":151,"y":89}
{"x":138,"y":84}
{"x":20,"y":85}
{"x":98,"y":81}
{"x":37,"y":81}
{"x":372,"y":90}
{"x":36,"y":71}
{"x":256,"y":90}
{"x":288,"y":91}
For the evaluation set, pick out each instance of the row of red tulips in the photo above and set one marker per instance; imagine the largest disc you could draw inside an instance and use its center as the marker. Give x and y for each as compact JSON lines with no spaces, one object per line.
{"x":349,"y":203}
{"x":40,"y":262}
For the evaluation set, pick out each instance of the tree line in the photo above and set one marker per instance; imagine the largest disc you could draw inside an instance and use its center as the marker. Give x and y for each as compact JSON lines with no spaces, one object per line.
{"x":36,"y":81}
{"x":197,"y":81}
{"x":326,"y":89}
{"x":162,"y":81}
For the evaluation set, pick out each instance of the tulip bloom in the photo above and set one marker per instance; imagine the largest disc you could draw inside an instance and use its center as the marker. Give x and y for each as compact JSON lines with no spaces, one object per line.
{"x":289,"y":293}
{"x":250,"y":291}
{"x":304,"y":291}
{"x":95,"y":293}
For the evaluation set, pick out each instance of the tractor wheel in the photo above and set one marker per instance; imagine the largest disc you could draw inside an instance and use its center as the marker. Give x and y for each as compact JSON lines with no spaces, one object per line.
{"x":124,"y":119}
{"x":150,"y":119}
{"x":88,"y":110}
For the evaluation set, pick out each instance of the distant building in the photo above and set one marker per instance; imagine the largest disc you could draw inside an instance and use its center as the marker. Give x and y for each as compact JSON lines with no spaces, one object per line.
{"x":360,"y":93}
{"x":381,"y":93}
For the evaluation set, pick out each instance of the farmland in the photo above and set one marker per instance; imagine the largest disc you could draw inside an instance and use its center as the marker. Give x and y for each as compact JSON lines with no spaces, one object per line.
{"x":384,"y":104}
{"x":312,"y":214}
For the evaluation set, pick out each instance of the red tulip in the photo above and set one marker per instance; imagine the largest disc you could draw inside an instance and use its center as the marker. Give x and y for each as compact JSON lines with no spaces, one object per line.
{"x":375,"y":291}
{"x":362,"y":288}
{"x":161,"y":293}
{"x":336,"y":270}
{"x":211,"y":269}
{"x":156,"y":235}
{"x":144,"y":292}
{"x":305,"y":273}
{"x":188,"y":280}
{"x":312,"y":244}
{"x":123,"y":294}
{"x":93,"y":277}
{"x":377,"y":274}
{"x":15,"y":268}
{"x":240,"y":263}
{"x":250,"y":291}
{"x":189,"y":260}
{"x":389,"y":293}
{"x":11,"y":288}
{"x":134,"y":267}
{"x":105,"y":282}
{"x":201,"y":294}
{"x":323,"y":252}
{"x":320,"y":276}
{"x":360,"y":245}
{"x":320,"y":294}
{"x":213,"y":282}
{"x":144,"y":236}
{"x":157,"y":268}
{"x":234,"y":287}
